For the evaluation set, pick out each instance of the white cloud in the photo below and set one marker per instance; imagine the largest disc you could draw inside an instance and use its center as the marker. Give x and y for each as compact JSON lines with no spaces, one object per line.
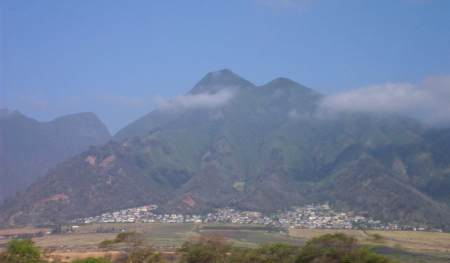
{"x":294,"y":114}
{"x":202,"y":100}
{"x":428,"y":101}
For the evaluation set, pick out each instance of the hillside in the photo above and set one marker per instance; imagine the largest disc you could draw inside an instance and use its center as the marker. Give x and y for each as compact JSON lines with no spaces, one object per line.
{"x":228,"y":142}
{"x":29,"y":148}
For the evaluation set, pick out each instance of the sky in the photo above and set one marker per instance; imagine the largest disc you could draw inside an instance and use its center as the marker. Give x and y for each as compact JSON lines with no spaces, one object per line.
{"x":115,"y":57}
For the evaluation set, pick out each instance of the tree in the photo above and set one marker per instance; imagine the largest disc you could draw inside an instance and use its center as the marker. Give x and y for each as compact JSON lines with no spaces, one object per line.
{"x":336,"y":248}
{"x":271,"y":253}
{"x":205,"y":250}
{"x":131,"y":238}
{"x":145,"y":255}
{"x":21,"y":251}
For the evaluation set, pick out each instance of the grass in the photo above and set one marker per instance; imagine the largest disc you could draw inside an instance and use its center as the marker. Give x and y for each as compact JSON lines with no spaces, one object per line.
{"x":251,"y":238}
{"x":248,"y":235}
{"x":6,"y":233}
{"x":404,"y":256}
{"x":72,"y":241}
{"x":408,"y":240}
{"x":404,"y":246}
{"x":21,"y":231}
{"x":69,"y":256}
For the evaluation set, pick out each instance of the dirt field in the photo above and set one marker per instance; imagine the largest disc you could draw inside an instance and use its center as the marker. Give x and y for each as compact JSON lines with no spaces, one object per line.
{"x":72,"y":241}
{"x":87,"y":237}
{"x":408,"y":240}
{"x":23,"y":230}
{"x":69,"y":256}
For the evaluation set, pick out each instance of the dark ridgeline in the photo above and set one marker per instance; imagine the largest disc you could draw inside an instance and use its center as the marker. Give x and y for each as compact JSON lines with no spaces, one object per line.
{"x":29,"y":148}
{"x":258,"y":147}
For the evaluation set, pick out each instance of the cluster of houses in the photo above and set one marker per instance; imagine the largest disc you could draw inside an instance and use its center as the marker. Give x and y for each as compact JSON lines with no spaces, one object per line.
{"x":232,"y":216}
{"x":130,"y":215}
{"x":318,"y":216}
{"x":322,"y":216}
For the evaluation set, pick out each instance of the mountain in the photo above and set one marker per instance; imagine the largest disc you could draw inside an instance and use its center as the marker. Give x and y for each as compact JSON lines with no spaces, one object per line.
{"x":221,"y":79}
{"x":262,"y":148}
{"x":28,"y":148}
{"x":213,"y":83}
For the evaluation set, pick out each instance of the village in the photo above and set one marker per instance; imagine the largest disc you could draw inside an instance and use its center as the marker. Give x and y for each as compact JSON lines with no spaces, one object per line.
{"x":314,"y":216}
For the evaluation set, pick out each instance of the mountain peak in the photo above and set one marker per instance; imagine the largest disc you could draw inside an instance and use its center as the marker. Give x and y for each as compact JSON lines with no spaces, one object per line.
{"x":223,"y":71}
{"x":218,"y":80}
{"x":84,"y":121}
{"x":284,"y":82}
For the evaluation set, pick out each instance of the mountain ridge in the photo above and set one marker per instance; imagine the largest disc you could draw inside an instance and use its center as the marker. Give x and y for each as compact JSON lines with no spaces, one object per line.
{"x":214,"y":81}
{"x":266,"y":149}
{"x":28,"y":148}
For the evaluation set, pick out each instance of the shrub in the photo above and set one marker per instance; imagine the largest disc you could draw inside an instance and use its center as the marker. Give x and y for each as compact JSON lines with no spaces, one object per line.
{"x":132,"y":238}
{"x":272,"y":253}
{"x":144,"y":255}
{"x":107,"y":243}
{"x":335,"y":248}
{"x":377,"y":237}
{"x":205,"y":250}
{"x":21,"y":251}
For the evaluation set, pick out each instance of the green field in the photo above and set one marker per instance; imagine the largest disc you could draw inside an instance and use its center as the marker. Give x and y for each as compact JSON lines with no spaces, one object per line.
{"x":165,"y":236}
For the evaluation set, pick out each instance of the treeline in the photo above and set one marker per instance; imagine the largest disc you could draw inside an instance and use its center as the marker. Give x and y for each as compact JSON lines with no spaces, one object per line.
{"x":331,"y":248}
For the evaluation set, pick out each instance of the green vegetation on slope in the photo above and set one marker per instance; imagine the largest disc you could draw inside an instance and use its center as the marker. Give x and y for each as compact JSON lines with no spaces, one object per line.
{"x":268,"y":148}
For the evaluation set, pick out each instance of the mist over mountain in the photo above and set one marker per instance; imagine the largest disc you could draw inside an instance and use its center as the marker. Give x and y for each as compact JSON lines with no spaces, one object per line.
{"x":29,"y":148}
{"x":228,"y":142}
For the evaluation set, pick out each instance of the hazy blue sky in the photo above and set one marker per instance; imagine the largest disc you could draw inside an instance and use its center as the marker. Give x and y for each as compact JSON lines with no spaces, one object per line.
{"x":115,"y":57}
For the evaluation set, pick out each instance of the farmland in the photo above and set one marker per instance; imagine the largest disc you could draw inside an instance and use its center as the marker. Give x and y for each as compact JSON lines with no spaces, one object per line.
{"x":406,"y":246}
